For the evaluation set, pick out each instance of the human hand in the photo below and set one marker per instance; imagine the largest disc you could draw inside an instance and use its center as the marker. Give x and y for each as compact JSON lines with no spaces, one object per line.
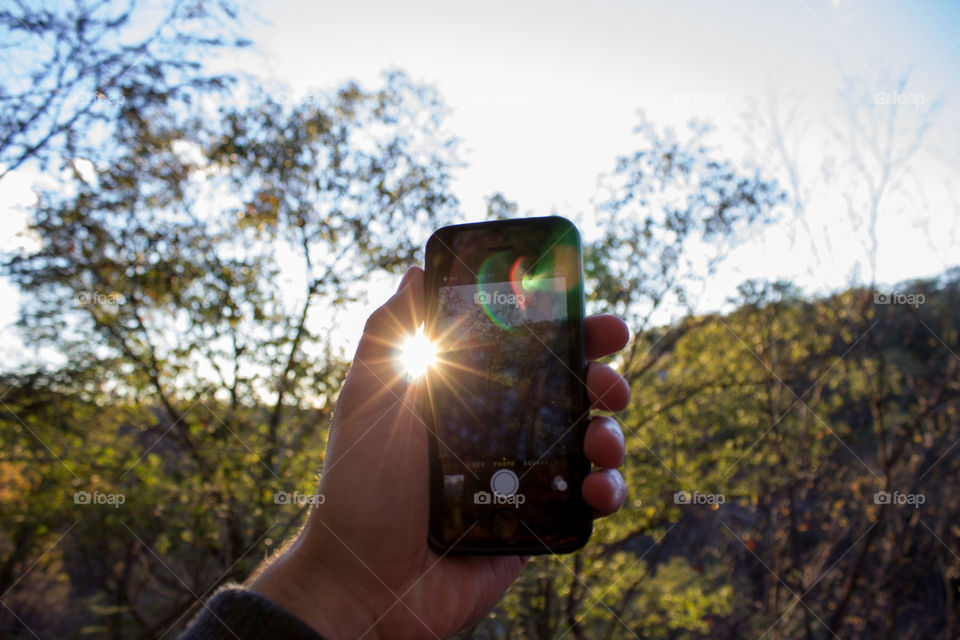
{"x":361,"y":566}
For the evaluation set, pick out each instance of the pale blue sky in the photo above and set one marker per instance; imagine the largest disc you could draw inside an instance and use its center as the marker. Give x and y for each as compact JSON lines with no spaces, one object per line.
{"x":545,"y":95}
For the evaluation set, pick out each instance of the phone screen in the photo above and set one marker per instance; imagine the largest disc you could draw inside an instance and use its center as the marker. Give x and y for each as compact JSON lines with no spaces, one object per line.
{"x":507,"y":395}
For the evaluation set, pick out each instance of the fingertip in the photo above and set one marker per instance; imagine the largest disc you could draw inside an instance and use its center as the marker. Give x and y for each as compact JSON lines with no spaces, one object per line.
{"x":604,"y":444}
{"x":605,"y":491}
{"x":399,"y":315}
{"x":607,"y":389}
{"x":412,"y":285}
{"x":410,"y":276}
{"x":606,"y":334}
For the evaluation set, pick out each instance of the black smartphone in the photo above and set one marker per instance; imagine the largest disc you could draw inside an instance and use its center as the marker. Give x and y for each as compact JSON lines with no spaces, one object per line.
{"x":506,"y":406}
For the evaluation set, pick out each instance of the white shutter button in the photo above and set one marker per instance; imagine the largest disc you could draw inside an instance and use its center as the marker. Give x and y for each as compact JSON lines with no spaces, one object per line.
{"x":504,"y":482}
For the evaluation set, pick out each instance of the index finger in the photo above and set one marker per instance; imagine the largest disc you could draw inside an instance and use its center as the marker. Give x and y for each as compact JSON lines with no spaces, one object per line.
{"x":606,"y":334}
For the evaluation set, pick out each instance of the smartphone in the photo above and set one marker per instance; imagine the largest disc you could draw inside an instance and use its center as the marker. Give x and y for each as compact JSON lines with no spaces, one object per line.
{"x":506,"y":402}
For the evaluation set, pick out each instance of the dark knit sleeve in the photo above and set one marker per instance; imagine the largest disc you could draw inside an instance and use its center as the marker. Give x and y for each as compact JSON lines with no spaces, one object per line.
{"x":236,"y":613}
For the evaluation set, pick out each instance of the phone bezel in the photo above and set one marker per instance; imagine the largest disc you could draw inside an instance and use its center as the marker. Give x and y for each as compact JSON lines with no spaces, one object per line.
{"x":580,"y":515}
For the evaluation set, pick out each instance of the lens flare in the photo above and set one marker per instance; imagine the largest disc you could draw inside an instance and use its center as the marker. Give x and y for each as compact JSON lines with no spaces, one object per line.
{"x":416,"y":354}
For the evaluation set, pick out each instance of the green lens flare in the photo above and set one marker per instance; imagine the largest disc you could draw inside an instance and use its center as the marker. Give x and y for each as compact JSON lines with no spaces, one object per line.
{"x":490,"y":267}
{"x":528,"y":277}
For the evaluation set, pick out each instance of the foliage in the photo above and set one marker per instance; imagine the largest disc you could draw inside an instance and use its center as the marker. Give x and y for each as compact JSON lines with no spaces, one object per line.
{"x":670,"y":211}
{"x":78,"y":65}
{"x":198,"y":386}
{"x":796,"y":412}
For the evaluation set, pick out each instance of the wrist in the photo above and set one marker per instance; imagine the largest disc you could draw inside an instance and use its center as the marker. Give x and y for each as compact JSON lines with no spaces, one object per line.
{"x":304,"y":589}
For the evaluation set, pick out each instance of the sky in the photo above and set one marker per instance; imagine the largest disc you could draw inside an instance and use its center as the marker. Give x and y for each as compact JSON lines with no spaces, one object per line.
{"x":545,"y":96}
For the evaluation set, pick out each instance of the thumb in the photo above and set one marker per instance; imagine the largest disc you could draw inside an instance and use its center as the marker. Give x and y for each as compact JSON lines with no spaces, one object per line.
{"x":397,"y":317}
{"x":374,"y":377}
{"x":375,"y":387}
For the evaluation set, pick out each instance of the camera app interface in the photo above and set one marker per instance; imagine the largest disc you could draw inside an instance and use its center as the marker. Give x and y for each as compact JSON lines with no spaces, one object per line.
{"x":503,"y":391}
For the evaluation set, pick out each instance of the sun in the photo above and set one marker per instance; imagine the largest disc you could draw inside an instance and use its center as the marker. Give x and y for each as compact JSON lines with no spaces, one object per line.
{"x":416,"y":354}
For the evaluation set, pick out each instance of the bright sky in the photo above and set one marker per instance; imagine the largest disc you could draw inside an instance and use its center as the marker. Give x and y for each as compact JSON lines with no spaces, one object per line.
{"x":545,"y":96}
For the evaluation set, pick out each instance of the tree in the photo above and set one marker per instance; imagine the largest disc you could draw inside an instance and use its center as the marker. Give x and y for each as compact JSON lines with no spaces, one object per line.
{"x":881,"y":128}
{"x":662,"y":206}
{"x":863,"y":155}
{"x":162,"y":279}
{"x":669,"y":214}
{"x":499,"y":207}
{"x":78,"y":65}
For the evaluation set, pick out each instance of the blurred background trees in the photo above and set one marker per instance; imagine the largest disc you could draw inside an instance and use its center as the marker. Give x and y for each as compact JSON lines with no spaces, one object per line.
{"x":79,"y":65}
{"x":203,"y":244}
{"x":206,"y":391}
